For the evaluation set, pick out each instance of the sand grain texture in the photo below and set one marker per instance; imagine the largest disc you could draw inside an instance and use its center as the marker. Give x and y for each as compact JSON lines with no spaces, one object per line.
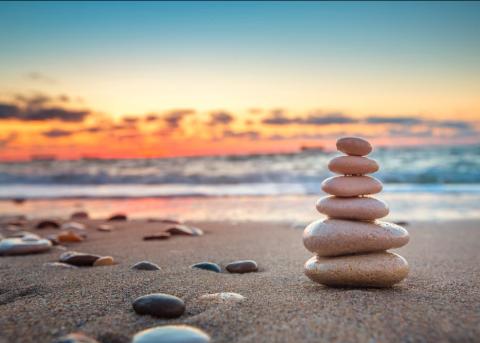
{"x":437,"y":302}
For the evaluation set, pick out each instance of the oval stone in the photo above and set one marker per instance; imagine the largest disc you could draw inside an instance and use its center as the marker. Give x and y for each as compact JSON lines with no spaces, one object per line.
{"x":24,"y":245}
{"x":382,"y":269}
{"x":159,"y":305}
{"x":351,"y":186}
{"x":213,"y":267}
{"x":245,"y":266}
{"x":78,"y":258}
{"x":104,"y":261}
{"x":184,"y":230}
{"x":354,"y":146}
{"x":334,"y":237}
{"x":145,"y":265}
{"x":47,"y":224}
{"x":359,"y":208}
{"x":222,"y":298}
{"x":171,"y":334}
{"x":353,"y":165}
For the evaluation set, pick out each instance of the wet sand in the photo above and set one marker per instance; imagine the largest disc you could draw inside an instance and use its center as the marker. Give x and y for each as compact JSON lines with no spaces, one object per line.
{"x":438,"y":302}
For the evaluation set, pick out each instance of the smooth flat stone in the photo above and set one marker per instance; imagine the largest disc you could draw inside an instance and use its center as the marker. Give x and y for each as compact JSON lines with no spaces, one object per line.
{"x":354,"y":146}
{"x":159,"y":305}
{"x":351,"y":186}
{"x":171,"y":334}
{"x":73,"y":226}
{"x":145,"y":265}
{"x":59,"y":265}
{"x":213,"y":267}
{"x":382,"y":269}
{"x":117,"y":217}
{"x":104,"y":228}
{"x":157,"y":236}
{"x":164,"y":221}
{"x":47,"y":224}
{"x":69,"y":237}
{"x":334,"y":237}
{"x":24,"y":245}
{"x":78,"y":258}
{"x":222,"y":298}
{"x":104,"y":261}
{"x":184,"y":230}
{"x":76,"y":338}
{"x":353,"y":165}
{"x":244,"y":266}
{"x":359,"y":208}
{"x":79,"y":215}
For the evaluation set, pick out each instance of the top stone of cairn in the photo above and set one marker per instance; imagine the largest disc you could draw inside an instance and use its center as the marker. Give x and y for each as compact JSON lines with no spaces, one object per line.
{"x":354,"y":146}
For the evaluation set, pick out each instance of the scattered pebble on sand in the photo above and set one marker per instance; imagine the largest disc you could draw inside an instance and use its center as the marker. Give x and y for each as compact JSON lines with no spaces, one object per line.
{"x":73,"y":226}
{"x":184,"y":230}
{"x":210,"y":266}
{"x":59,"y":265}
{"x":78,"y":258}
{"x":173,"y":334}
{"x":159,"y":305}
{"x":105,"y":228}
{"x":76,"y":338}
{"x":28,"y":244}
{"x":69,"y":237}
{"x":244,"y":266}
{"x":104,"y":261}
{"x":164,"y":221}
{"x":117,"y":217}
{"x":145,"y":265}
{"x":222,"y":298}
{"x":47,"y":224}
{"x":79,"y":215}
{"x":157,"y":236}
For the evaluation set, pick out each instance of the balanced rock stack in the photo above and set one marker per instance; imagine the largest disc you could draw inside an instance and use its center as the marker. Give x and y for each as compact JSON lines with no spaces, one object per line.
{"x":350,"y":245}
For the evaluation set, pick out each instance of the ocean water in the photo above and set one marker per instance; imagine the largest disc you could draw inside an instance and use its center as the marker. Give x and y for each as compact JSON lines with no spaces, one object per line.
{"x":435,"y":169}
{"x":419,"y":183}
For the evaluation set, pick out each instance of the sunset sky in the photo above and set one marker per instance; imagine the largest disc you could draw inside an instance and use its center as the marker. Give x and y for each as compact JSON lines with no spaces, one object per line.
{"x":172,"y":79}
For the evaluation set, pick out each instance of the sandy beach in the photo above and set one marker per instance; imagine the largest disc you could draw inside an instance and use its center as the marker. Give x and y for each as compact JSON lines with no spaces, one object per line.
{"x":438,"y":302}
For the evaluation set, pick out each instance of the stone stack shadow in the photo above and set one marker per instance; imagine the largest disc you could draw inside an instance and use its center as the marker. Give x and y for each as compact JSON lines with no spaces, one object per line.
{"x":350,"y":246}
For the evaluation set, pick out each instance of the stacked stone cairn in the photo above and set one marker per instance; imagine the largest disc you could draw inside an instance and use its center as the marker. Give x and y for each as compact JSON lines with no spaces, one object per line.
{"x":350,"y":246}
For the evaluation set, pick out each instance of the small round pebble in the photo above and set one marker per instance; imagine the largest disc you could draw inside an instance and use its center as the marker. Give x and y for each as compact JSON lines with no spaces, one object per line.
{"x":24,"y":245}
{"x":184,"y":230}
{"x":171,"y":334}
{"x":244,"y":266}
{"x":104,"y":261}
{"x":159,"y":305}
{"x":223,"y":297}
{"x":104,"y":228}
{"x":78,"y":258}
{"x":76,"y":338}
{"x":79,"y":215}
{"x":354,"y":146}
{"x":47,"y":224}
{"x":69,"y":237}
{"x":157,"y":236}
{"x":145,"y":265}
{"x":213,"y":267}
{"x":118,"y":217}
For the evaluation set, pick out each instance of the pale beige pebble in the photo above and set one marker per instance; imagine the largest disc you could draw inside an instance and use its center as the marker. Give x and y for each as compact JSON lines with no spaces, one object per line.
{"x":222,"y":298}
{"x":351,"y":186}
{"x":354,"y":146}
{"x":104,"y":261}
{"x":334,"y":237}
{"x":358,"y":208}
{"x":353,"y":165}
{"x":382,"y":269}
{"x":104,"y":228}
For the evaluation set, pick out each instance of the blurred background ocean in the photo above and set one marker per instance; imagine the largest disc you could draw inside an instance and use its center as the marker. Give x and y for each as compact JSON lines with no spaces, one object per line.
{"x":438,"y":182}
